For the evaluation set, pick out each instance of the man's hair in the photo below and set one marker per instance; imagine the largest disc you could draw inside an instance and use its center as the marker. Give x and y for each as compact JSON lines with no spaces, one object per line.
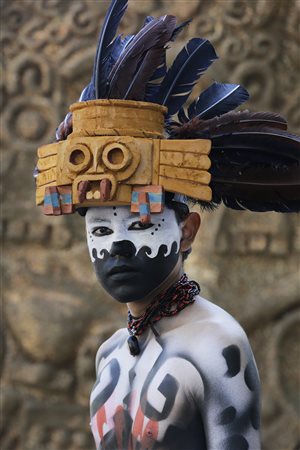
{"x":181,"y":213}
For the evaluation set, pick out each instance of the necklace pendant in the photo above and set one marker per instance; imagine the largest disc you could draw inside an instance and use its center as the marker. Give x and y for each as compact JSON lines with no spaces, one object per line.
{"x":133,"y":345}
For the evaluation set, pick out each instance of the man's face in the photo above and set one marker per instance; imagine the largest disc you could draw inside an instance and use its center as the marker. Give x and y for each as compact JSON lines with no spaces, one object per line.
{"x":132,"y":259}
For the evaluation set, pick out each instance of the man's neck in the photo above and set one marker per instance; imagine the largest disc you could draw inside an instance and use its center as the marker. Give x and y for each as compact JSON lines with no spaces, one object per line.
{"x":137,"y":308}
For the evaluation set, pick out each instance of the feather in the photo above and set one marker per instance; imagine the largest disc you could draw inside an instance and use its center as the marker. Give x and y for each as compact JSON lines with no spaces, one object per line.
{"x":232,"y":121}
{"x":182,"y":117}
{"x":137,"y":87}
{"x":258,"y":189}
{"x":155,"y":34}
{"x":216,"y":100}
{"x":186,"y":70}
{"x":257,"y":170}
{"x":109,"y":29}
{"x":88,"y":93}
{"x":153,"y":85}
{"x":179,"y":29}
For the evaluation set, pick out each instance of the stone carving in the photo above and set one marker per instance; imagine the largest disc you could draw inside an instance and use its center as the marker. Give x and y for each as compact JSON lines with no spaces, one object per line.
{"x":55,"y":313}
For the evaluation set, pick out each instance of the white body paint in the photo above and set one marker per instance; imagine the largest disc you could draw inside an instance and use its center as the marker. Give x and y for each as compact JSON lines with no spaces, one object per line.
{"x":165,"y":230}
{"x":189,"y":349}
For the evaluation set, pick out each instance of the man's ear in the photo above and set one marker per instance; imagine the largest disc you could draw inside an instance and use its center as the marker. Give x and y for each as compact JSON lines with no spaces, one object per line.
{"x":189,"y":230}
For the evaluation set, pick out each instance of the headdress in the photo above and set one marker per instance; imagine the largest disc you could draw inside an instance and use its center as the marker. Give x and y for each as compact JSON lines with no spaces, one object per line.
{"x":130,"y":137}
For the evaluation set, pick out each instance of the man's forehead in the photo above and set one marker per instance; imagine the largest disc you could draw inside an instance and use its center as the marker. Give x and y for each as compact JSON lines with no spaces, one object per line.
{"x":101,"y":213}
{"x":115,"y":213}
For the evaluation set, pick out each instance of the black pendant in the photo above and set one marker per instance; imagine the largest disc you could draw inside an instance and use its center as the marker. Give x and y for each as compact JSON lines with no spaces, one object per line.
{"x":133,"y":345}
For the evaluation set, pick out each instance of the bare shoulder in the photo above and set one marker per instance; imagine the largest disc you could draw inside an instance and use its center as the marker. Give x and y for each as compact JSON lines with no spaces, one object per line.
{"x":214,"y":338}
{"x":108,"y":346}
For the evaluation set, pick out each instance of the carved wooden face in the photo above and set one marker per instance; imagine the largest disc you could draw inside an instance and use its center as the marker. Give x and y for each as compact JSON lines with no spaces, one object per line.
{"x":103,"y":168}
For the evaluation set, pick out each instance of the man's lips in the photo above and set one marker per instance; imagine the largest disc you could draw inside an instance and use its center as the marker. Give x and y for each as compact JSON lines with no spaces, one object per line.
{"x":121,"y":269}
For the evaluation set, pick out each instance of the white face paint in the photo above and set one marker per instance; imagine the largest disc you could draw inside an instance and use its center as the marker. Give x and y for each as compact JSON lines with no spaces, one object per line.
{"x":107,"y":224}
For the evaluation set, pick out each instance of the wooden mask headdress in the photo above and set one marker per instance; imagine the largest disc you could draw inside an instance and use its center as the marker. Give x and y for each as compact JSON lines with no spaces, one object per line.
{"x":129,"y":137}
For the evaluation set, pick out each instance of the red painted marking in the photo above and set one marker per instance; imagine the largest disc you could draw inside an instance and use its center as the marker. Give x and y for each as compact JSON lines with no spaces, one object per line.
{"x":101,"y":420}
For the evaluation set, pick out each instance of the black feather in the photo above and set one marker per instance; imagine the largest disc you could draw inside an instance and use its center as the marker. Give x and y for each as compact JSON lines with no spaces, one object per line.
{"x":216,"y":100}
{"x":186,"y":70}
{"x":257,"y":170}
{"x":137,"y":87}
{"x":107,"y":34}
{"x":179,"y":29}
{"x":155,"y":34}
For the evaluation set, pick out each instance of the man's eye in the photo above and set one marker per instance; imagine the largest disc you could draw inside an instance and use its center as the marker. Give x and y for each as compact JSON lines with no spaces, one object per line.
{"x":102,"y":231}
{"x":140,"y":226}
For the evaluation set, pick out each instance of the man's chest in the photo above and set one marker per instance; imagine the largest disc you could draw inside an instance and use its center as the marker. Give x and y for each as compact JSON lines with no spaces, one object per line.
{"x":144,"y":402}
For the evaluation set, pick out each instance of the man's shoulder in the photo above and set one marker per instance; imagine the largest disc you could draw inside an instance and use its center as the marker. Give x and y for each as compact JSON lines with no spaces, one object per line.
{"x":208,"y":331}
{"x":107,"y":347}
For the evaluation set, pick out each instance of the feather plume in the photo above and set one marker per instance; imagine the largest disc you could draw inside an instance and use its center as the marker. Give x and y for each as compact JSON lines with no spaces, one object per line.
{"x":231,"y":121}
{"x":137,"y":87}
{"x":108,"y":31}
{"x":153,"y":86}
{"x":186,"y":70}
{"x":216,"y":100}
{"x":179,"y":29}
{"x":155,"y":34}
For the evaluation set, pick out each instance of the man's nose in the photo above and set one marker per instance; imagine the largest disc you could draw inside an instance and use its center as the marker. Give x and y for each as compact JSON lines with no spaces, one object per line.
{"x":123,"y":248}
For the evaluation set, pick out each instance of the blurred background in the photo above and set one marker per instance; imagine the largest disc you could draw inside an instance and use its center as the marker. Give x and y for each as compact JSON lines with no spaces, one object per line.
{"x":55,"y":314}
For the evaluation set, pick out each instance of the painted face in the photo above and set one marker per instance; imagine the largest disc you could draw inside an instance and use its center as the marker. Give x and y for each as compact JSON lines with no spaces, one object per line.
{"x":132,"y":259}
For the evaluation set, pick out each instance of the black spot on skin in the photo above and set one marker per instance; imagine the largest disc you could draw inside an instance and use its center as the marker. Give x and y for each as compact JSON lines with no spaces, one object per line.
{"x":114,"y":207}
{"x":152,"y":233}
{"x":255,"y":417}
{"x":159,"y":225}
{"x":227,"y":416}
{"x":235,"y":442}
{"x":233,"y":360}
{"x":156,"y":229}
{"x":251,"y":378}
{"x":163,"y":220}
{"x":115,"y":214}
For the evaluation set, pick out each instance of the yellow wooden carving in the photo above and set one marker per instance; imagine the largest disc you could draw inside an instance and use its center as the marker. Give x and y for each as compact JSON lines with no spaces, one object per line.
{"x":90,"y":156}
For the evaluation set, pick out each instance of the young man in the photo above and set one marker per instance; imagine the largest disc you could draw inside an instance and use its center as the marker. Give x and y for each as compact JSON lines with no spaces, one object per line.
{"x":194,"y":384}
{"x":182,"y":376}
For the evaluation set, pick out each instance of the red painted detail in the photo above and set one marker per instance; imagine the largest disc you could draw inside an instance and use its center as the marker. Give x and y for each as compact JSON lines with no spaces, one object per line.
{"x":101,"y":420}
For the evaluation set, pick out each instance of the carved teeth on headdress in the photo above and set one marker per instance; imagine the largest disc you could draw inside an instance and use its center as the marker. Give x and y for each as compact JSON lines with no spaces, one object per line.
{"x":83,"y":187}
{"x":97,"y":195}
{"x":105,"y":189}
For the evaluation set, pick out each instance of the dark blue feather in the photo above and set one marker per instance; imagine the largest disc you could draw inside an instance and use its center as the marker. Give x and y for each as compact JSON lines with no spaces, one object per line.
{"x":155,"y":34}
{"x":153,"y":86}
{"x":182,"y":117}
{"x":88,"y":93}
{"x":179,"y":29}
{"x":148,"y":19}
{"x":186,"y":70}
{"x":216,"y":100}
{"x":102,"y":61}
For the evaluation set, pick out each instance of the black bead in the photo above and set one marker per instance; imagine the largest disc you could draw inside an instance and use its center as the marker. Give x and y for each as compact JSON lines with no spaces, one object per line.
{"x":133,"y":345}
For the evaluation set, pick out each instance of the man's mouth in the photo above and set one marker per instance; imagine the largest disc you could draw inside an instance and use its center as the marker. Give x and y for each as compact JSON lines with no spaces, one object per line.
{"x":121,"y":272}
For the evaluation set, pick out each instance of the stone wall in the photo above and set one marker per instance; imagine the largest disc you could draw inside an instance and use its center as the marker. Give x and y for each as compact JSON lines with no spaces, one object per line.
{"x":55,"y":314}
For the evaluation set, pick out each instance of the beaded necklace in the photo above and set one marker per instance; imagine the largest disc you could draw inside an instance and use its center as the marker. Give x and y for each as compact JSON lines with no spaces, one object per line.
{"x":168,"y":303}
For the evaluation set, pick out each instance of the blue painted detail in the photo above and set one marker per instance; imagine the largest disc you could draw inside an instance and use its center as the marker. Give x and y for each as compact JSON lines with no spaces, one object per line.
{"x":52,"y":199}
{"x":66,"y":199}
{"x":144,"y":209}
{"x":153,"y":197}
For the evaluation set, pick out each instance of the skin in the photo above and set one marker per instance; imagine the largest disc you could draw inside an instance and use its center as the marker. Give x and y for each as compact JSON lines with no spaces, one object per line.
{"x":116,"y":242}
{"x":194,"y":385}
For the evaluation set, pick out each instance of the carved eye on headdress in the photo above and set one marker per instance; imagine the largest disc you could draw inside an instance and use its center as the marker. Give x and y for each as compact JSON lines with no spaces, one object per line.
{"x":79,"y":158}
{"x":116,"y":156}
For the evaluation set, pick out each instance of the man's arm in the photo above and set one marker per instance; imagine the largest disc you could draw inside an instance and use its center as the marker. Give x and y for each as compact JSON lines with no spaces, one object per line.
{"x":231,"y":406}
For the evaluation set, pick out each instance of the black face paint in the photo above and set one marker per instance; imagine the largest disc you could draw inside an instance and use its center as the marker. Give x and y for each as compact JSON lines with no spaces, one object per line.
{"x":132,"y":259}
{"x":130,"y":276}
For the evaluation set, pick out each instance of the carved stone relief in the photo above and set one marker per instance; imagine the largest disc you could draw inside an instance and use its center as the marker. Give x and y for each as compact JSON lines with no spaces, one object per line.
{"x":56,"y":315}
